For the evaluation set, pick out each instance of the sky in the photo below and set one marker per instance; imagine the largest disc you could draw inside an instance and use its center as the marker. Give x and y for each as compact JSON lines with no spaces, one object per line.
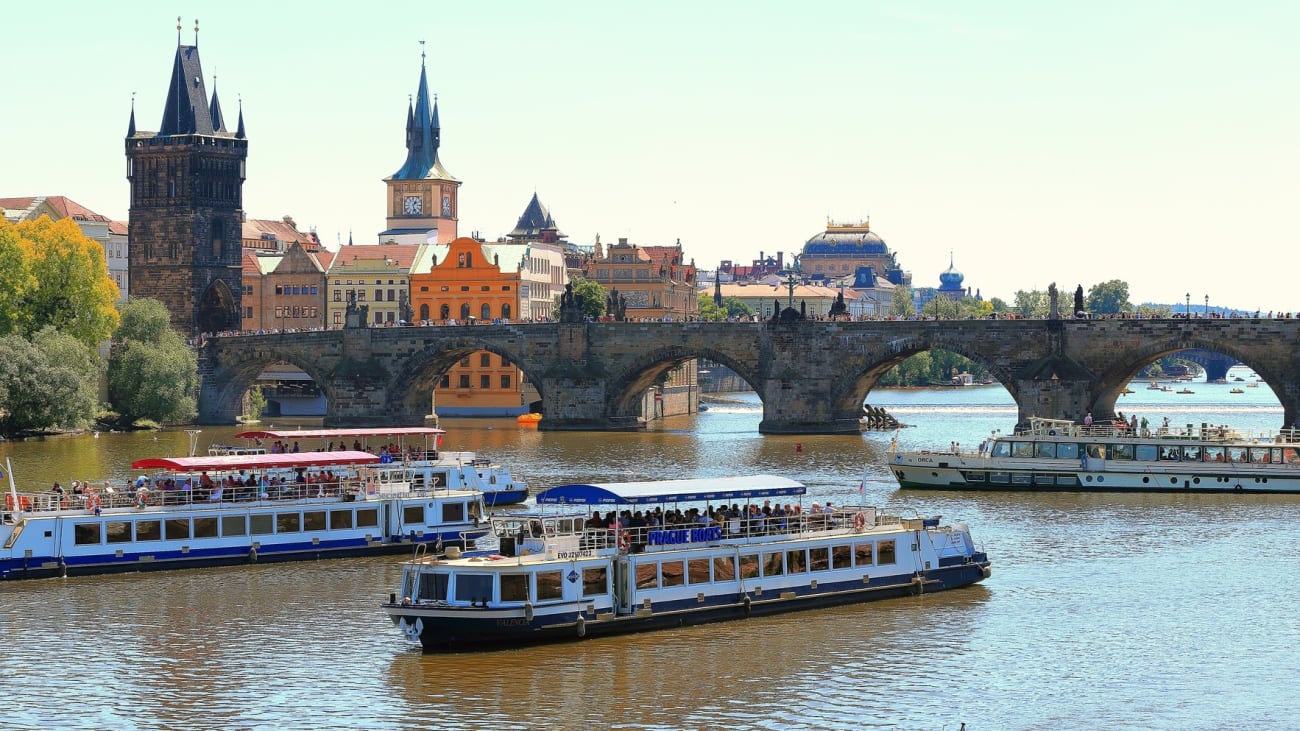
{"x":1028,"y":143}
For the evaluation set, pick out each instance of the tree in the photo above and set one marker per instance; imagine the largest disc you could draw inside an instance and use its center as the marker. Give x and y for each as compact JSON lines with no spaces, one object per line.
{"x":1031,"y":304}
{"x":900,"y":302}
{"x":49,"y":382}
{"x":255,"y":405}
{"x":593,"y":298}
{"x":998,"y":305}
{"x":731,"y":307}
{"x":73,"y":291}
{"x":16,"y":280}
{"x":1109,"y":298}
{"x":152,"y":373}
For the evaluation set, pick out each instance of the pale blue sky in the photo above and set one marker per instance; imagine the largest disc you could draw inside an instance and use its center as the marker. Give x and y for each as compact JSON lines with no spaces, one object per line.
{"x":1153,"y":142}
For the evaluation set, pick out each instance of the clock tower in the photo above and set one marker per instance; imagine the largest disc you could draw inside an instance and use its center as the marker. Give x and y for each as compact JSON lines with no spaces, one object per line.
{"x":422,"y":195}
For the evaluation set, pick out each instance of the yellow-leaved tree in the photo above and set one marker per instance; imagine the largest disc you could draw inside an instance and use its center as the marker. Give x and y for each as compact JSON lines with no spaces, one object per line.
{"x":72,"y":291}
{"x":16,"y":281}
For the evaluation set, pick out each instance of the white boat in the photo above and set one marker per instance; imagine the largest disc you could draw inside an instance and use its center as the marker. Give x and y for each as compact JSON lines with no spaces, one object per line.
{"x":1057,"y":455}
{"x":568,"y":575}
{"x":212,"y":510}
{"x":419,"y":448}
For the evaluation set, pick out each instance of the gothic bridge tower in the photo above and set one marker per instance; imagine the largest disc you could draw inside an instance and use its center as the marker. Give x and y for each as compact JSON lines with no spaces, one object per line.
{"x":186,"y":208}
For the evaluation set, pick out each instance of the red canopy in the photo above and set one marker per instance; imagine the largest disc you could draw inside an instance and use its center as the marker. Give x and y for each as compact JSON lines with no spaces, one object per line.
{"x":397,"y":431}
{"x":228,"y":462}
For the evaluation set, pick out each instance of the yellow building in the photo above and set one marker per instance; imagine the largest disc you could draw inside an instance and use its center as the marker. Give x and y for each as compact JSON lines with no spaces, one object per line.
{"x":377,"y":276}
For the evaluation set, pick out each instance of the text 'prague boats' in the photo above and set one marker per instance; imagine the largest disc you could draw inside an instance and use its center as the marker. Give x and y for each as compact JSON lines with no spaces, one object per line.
{"x":572,"y":574}
{"x":1059,"y":455}
{"x":417,"y":448}
{"x":235,"y":508}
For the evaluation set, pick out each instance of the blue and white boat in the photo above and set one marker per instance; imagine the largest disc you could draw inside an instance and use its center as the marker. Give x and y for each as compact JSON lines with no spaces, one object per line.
{"x":570,"y":574}
{"x":419,"y":448}
{"x":237,"y":508}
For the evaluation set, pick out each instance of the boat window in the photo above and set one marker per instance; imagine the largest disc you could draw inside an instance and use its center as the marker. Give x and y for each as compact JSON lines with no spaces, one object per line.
{"x":796,"y":561}
{"x":697,"y":571}
{"x":1289,"y":455}
{"x":1097,"y":450}
{"x":473,"y":588}
{"x":1236,"y":454}
{"x":514,"y":587}
{"x":1168,"y":453}
{"x":549,"y":585}
{"x":841,"y":557}
{"x":367,"y":517}
{"x":1146,"y":452}
{"x":862,"y":554}
{"x":174,"y":528}
{"x":1191,"y":454}
{"x":724,"y":568}
{"x":340,"y":519}
{"x":885,"y":553}
{"x":413,"y":514}
{"x":1067,"y":450}
{"x":672,"y":573}
{"x":260,"y":525}
{"x":85,"y":534}
{"x":772,"y":564}
{"x":1121,"y":451}
{"x":647,"y":576}
{"x":313,"y":520}
{"x":1261,"y":454}
{"x":288,"y":523}
{"x":205,"y":527}
{"x":595,"y":581}
{"x":453,"y":513}
{"x":231,"y":525}
{"x":1045,"y":450}
{"x":1022,"y":449}
{"x":149,"y":530}
{"x":749,"y":566}
{"x":819,"y":559}
{"x":1001,"y":449}
{"x":433,"y":586}
{"x":117,"y":531}
{"x":1214,"y":454}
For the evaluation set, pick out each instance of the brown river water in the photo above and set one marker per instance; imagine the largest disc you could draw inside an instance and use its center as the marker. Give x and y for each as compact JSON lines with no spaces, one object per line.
{"x":1103,"y":611}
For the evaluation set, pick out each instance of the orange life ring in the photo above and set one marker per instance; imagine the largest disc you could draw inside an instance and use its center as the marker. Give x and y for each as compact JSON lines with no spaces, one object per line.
{"x":624,"y":540}
{"x":859,"y":522}
{"x":92,"y":502}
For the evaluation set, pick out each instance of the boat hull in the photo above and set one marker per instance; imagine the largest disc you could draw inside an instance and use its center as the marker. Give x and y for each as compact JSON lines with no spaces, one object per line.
{"x":494,"y":498}
{"x":441,"y":632}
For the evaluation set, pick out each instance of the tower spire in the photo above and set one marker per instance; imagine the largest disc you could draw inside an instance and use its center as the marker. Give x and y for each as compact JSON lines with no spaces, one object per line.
{"x":421,"y":137}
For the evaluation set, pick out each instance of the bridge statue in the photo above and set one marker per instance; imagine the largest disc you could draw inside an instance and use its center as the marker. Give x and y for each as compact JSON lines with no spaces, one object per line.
{"x":355,"y":316}
{"x":616,"y":305}
{"x":1053,"y":300}
{"x":571,"y":305}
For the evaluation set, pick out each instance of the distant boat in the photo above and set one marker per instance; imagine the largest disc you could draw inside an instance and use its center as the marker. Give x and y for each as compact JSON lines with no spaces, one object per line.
{"x":1237,"y":390}
{"x":1185,"y":390}
{"x":1253,"y":384}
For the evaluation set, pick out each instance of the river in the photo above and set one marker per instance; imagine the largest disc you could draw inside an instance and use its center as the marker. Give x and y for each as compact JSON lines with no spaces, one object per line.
{"x":1103,"y":611}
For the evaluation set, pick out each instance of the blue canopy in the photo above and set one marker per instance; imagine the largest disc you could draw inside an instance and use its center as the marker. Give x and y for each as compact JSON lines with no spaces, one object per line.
{"x":670,"y":491}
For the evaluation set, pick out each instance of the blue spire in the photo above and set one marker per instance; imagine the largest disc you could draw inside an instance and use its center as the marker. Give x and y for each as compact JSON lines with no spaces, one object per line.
{"x":421,"y":137}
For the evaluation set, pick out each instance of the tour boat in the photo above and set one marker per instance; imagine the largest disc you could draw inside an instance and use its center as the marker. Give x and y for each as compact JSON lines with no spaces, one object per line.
{"x":1059,"y":455}
{"x":418,"y":448}
{"x":231,"y":509}
{"x":571,"y":574}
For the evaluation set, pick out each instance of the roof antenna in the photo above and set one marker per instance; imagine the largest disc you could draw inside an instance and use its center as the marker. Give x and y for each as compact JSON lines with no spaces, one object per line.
{"x":196,"y":32}
{"x":178,"y":30}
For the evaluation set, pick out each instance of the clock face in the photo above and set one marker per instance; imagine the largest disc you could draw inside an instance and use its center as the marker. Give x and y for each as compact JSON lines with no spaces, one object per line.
{"x":412,"y":204}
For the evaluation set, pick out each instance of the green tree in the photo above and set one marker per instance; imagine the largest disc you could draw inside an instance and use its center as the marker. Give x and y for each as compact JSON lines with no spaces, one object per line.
{"x":731,"y":307}
{"x":593,"y":298}
{"x":73,"y":292}
{"x":1109,"y":298}
{"x":152,"y":373}
{"x":1033,"y":303}
{"x":900,"y":302}
{"x":49,"y":382}
{"x":16,"y":280}
{"x":998,"y":305}
{"x":255,"y":405}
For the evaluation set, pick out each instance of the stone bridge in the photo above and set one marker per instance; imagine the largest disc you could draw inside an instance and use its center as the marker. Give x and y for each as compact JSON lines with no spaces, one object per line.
{"x":812,"y":376}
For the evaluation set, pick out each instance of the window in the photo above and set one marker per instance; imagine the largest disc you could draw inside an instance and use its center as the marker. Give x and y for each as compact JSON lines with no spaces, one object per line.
{"x":672,"y":573}
{"x":724,"y":568}
{"x":473,"y":588}
{"x":453,"y":512}
{"x":464,"y":312}
{"x":261,"y":525}
{"x":749,"y":566}
{"x":117,"y":531}
{"x":340,"y":519}
{"x":514,"y":587}
{"x":368,"y":518}
{"x":505,"y":311}
{"x":176,"y":528}
{"x":549,"y":586}
{"x":205,"y":527}
{"x":485,"y":381}
{"x":445,"y":381}
{"x":392,"y":295}
{"x":444,"y":312}
{"x":485,"y":360}
{"x":86,"y":534}
{"x":647,"y":576}
{"x":464,"y":362}
{"x":464,"y":381}
{"x":819,"y":558}
{"x":885,"y":554}
{"x":505,"y":381}
{"x":413,"y":514}
{"x":772,"y":564}
{"x":594,"y":581}
{"x":424,"y":312}
{"x":697,"y":571}
{"x":505,"y":362}
{"x":233,"y":525}
{"x":796,"y":561}
{"x":379,"y":318}
{"x":149,"y":530}
{"x":433,"y":587}
{"x":288,"y":523}
{"x":485,"y":312}
{"x":379,"y":295}
{"x":313,"y":520}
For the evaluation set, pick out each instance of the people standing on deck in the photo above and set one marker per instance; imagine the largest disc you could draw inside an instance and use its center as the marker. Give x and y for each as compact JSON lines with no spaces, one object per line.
{"x":1087,"y":419}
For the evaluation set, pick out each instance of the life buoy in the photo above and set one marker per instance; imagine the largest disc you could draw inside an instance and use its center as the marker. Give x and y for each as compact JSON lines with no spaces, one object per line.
{"x":624,"y":541}
{"x":1051,"y":432}
{"x":859,"y":522}
{"x":92,"y":502}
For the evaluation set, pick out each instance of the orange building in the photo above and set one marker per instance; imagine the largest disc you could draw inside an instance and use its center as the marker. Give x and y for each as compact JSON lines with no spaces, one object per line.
{"x":465,"y":284}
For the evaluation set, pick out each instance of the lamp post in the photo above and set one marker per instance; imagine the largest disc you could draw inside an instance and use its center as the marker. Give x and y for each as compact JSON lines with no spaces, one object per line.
{"x":1187,"y":309}
{"x":1207,"y":306}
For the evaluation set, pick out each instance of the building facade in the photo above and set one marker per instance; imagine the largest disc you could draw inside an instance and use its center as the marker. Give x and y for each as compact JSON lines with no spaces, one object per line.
{"x":842,"y":248}
{"x":99,"y":228}
{"x":374,"y":276}
{"x":423,"y":198}
{"x":186,"y":204}
{"x":654,"y":281}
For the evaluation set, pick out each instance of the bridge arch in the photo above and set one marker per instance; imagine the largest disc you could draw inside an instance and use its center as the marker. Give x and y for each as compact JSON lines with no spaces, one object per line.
{"x":238,"y":377}
{"x":623,"y":396}
{"x":411,"y":388}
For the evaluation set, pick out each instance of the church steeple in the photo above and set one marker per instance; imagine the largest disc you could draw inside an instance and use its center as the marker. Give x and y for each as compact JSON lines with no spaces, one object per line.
{"x":421,"y":134}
